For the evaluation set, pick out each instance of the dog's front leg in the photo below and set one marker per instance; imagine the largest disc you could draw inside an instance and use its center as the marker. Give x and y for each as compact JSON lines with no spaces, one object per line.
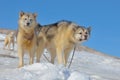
{"x":13,"y":45}
{"x":39,"y":52}
{"x":21,"y":55}
{"x":53,"y":54}
{"x":59,"y":55}
{"x":66,"y":54}
{"x":9,"y":45}
{"x":31,"y":56}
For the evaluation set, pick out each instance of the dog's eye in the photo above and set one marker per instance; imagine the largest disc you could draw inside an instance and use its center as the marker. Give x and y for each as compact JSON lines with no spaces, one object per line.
{"x":80,"y":33}
{"x":31,"y":20}
{"x":25,"y":19}
{"x":86,"y":32}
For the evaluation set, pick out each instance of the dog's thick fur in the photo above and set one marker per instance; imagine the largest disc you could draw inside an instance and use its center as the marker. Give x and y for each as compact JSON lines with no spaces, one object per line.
{"x":26,"y":38}
{"x":9,"y":39}
{"x":59,"y":39}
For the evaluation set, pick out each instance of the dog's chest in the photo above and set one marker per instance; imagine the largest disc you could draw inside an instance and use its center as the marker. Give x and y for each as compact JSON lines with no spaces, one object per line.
{"x":28,"y":42}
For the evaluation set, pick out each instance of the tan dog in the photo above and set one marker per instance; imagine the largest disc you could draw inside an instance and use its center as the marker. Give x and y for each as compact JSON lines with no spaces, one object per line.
{"x":9,"y":39}
{"x":26,"y":38}
{"x":59,"y":39}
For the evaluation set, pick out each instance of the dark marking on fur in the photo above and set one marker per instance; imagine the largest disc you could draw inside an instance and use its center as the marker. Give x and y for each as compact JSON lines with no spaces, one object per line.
{"x":49,"y":37}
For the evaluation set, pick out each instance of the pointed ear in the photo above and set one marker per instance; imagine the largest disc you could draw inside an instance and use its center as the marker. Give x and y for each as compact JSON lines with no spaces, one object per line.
{"x":89,"y":29}
{"x":75,"y":28}
{"x":35,"y":15}
{"x":21,"y":14}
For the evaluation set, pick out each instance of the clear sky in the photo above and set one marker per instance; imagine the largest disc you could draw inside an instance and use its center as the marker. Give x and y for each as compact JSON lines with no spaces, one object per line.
{"x":102,"y":15}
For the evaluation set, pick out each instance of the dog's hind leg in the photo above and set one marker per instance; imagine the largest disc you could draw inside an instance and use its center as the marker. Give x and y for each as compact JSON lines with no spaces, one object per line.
{"x":39,"y":52}
{"x":53,"y":54}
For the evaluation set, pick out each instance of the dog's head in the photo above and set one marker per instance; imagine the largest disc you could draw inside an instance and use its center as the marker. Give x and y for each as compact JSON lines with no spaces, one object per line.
{"x":86,"y":33}
{"x":11,"y":34}
{"x":82,"y":34}
{"x":27,"y":20}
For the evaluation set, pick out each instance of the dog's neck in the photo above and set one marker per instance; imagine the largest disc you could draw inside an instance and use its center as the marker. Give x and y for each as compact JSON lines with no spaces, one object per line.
{"x":27,"y":35}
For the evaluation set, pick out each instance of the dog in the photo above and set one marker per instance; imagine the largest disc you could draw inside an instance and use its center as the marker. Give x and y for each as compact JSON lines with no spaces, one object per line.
{"x":9,"y":39}
{"x":59,"y":39}
{"x":26,"y":37}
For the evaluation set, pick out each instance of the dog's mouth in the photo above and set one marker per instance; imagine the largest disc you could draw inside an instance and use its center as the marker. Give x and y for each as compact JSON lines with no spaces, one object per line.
{"x":80,"y":39}
{"x":85,"y":39}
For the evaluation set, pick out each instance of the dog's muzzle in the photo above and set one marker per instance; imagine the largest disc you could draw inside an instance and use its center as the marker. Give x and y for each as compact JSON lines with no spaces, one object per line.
{"x":86,"y":37}
{"x":28,"y":24}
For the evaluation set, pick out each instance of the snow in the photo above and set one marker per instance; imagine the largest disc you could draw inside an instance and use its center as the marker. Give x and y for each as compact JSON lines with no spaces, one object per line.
{"x":2,"y":36}
{"x":41,"y":71}
{"x":85,"y":66}
{"x":45,"y":71}
{"x":78,"y":76}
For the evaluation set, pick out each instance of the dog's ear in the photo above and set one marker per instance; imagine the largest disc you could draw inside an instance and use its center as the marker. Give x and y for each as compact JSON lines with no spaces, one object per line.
{"x":74,"y":29}
{"x":89,"y":29}
{"x":21,"y":14}
{"x":35,"y":15}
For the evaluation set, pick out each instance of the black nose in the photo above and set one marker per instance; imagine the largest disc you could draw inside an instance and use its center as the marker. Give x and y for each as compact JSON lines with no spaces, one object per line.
{"x":28,"y":24}
{"x":80,"y":39}
{"x":86,"y":37}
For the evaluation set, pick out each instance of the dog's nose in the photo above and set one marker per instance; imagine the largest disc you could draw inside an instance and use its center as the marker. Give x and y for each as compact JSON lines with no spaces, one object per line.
{"x":86,"y":37}
{"x":80,"y":39}
{"x":28,"y":24}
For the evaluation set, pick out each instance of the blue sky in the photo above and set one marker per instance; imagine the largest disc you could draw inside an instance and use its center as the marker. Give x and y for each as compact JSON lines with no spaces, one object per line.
{"x":102,"y":15}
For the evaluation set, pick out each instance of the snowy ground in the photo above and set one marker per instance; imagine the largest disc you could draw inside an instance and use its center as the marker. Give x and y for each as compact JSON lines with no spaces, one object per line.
{"x":85,"y":66}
